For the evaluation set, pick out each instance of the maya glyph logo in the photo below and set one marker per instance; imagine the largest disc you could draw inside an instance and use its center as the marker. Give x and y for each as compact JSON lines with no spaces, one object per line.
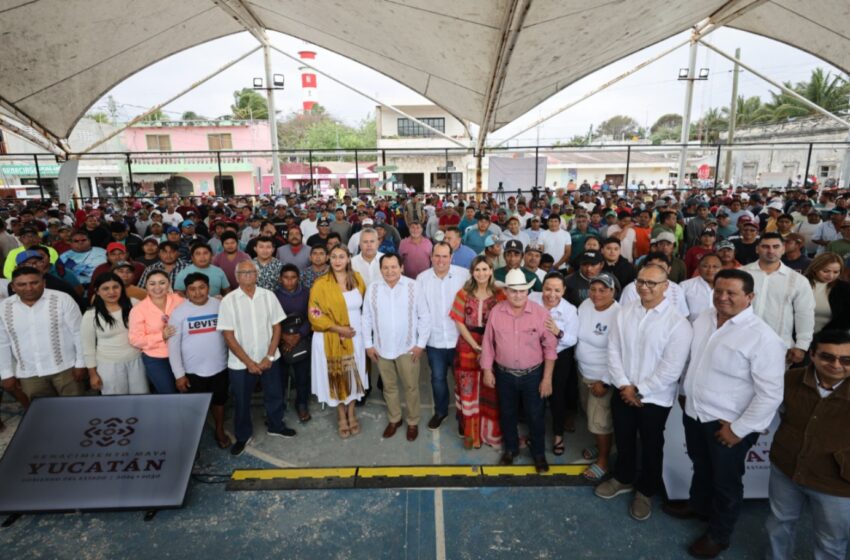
{"x":112,"y":431}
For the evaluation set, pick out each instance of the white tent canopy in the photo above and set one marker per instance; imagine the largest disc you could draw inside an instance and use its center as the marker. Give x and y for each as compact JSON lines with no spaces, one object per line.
{"x":486,"y":61}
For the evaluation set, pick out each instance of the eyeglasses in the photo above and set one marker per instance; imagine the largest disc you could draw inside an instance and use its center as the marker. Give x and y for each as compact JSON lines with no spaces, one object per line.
{"x":648,"y":283}
{"x":826,"y":357}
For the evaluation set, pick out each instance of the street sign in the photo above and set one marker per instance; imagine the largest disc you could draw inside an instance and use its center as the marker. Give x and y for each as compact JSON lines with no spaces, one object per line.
{"x":449,"y":168}
{"x":386,"y":168}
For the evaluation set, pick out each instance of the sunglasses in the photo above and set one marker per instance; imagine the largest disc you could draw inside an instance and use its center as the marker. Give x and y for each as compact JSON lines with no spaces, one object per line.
{"x":829,"y":358}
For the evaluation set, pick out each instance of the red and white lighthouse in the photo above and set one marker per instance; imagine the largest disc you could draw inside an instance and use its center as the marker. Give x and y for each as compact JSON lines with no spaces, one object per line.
{"x":308,"y":80}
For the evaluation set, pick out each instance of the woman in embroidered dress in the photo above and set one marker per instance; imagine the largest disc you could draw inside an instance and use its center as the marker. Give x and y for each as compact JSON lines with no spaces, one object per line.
{"x":338,"y":356}
{"x":477,"y":405}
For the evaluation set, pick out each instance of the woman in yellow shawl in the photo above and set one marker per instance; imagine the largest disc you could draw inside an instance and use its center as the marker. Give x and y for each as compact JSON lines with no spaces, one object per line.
{"x":339,"y":375}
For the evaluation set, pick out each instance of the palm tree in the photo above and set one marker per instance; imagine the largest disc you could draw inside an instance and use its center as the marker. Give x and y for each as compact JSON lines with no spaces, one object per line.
{"x":824,"y":89}
{"x":712,"y":123}
{"x":749,"y":111}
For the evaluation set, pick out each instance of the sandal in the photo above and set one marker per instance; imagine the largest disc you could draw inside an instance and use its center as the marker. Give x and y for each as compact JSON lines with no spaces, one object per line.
{"x":304,"y":417}
{"x":344,"y":431}
{"x":558,"y":448}
{"x":595,"y":473}
{"x":354,"y":425}
{"x":590,"y":453}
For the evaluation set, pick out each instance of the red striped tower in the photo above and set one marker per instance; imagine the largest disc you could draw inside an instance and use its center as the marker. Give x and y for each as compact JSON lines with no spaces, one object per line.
{"x":308,"y":80}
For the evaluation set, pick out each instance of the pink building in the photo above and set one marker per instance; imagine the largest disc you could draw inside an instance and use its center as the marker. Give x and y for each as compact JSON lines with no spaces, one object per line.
{"x":160,"y":163}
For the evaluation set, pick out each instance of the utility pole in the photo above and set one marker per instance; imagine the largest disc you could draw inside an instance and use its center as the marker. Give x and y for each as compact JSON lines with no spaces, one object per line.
{"x":733,"y":117}
{"x":267,"y":59}
{"x":686,"y":114}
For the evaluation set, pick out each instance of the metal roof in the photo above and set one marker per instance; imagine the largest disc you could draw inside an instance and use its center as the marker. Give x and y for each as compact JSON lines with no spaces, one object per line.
{"x":486,"y":61}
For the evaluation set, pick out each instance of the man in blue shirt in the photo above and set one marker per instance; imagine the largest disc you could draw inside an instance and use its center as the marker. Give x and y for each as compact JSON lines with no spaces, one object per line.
{"x":461,"y":254}
{"x":218,"y":283}
{"x":475,"y":238}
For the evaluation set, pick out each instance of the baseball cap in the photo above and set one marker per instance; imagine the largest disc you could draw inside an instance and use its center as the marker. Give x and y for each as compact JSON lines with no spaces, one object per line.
{"x":590,"y":257}
{"x":116,"y":246}
{"x":27,"y":229}
{"x":482,"y":216}
{"x":323,"y":223}
{"x":725,"y":245}
{"x":776,"y":205}
{"x":534,"y":247}
{"x":367,"y":221}
{"x":123,"y":264}
{"x":151,"y":239}
{"x":513,"y":245}
{"x":187,"y":223}
{"x":747,"y":221}
{"x":24,"y":256}
{"x":665,"y":236}
{"x":172,"y":229}
{"x":708,"y":231}
{"x":605,"y":279}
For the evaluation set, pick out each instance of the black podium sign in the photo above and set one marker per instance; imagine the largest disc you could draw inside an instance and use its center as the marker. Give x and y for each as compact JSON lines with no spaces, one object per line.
{"x":107,"y":452}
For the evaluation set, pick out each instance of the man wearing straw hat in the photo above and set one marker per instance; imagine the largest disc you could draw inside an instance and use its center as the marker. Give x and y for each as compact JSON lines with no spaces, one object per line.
{"x":517,"y":357}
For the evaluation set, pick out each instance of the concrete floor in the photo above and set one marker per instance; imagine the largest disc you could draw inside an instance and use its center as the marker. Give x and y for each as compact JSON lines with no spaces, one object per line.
{"x":491,"y":523}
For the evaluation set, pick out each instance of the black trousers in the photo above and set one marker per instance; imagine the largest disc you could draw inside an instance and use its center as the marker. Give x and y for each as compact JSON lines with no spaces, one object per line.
{"x":717,"y":488}
{"x":648,"y":422}
{"x":564,"y":389}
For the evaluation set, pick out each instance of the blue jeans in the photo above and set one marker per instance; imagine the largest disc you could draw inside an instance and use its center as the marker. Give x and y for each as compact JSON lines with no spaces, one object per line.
{"x":830,"y":517}
{"x":510,"y":389}
{"x":242,"y":385}
{"x":159,"y":374}
{"x":439,"y":360}
{"x":717,"y":487}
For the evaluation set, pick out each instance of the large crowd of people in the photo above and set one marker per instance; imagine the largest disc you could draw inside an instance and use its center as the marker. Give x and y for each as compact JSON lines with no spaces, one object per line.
{"x":616,"y":305}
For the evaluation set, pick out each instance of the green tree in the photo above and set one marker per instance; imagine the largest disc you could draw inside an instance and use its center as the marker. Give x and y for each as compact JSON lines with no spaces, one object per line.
{"x":112,"y":109}
{"x":824,"y":89}
{"x":618,"y":127}
{"x":667,"y":122}
{"x":749,"y":111}
{"x":712,"y":123}
{"x":318,"y":129}
{"x":249,"y":105}
{"x":99,"y":117}
{"x":192,"y":116}
{"x":156,"y":116}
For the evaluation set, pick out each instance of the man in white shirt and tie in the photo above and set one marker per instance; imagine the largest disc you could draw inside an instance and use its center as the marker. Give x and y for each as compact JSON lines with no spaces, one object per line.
{"x":40,"y":329}
{"x":783,"y":297}
{"x":367,"y":263}
{"x":395,"y":327}
{"x":733,"y":387}
{"x":647,"y":351}
{"x":439,"y":285}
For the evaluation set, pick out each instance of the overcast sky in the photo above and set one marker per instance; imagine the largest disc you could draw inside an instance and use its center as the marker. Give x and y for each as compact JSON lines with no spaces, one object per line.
{"x":645,"y":95}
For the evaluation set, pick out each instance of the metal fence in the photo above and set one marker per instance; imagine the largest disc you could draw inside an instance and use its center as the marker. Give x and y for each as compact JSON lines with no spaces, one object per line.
{"x":439,"y":170}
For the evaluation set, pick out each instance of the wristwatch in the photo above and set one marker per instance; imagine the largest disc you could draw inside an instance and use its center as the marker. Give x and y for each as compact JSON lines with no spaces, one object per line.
{"x":560,"y":334}
{"x":270,"y":358}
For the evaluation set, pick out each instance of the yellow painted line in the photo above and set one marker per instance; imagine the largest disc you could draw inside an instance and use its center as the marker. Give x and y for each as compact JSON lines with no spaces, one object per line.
{"x":392,"y":472}
{"x":522,"y":470}
{"x":270,"y":474}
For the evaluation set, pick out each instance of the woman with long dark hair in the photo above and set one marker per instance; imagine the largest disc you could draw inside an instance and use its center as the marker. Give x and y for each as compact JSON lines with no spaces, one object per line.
{"x":115,"y":367}
{"x":338,"y":356}
{"x":150,"y":331}
{"x":477,"y":404}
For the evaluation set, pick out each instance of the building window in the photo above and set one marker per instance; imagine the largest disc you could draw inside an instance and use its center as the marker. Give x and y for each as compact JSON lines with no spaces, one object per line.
{"x":220,"y":141}
{"x":158,"y":142}
{"x":826,"y":171}
{"x":411,"y":129}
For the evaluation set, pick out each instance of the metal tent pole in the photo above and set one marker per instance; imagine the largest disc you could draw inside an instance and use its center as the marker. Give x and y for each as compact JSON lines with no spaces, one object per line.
{"x":686,"y":114}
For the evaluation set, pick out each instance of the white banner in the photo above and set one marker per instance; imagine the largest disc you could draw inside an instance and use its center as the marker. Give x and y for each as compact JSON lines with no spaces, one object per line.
{"x":67,"y":181}
{"x":515,"y":173}
{"x":678,"y":467}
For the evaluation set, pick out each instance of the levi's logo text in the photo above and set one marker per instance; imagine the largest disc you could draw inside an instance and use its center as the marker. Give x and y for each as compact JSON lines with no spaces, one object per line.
{"x":202,"y":324}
